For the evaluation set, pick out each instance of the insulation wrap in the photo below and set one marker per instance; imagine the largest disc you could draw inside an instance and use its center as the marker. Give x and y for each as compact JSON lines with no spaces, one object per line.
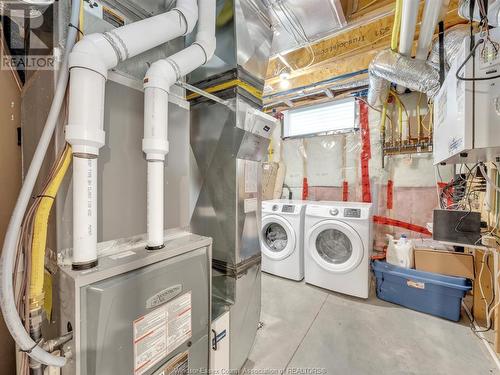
{"x":453,"y":40}
{"x":407,"y":72}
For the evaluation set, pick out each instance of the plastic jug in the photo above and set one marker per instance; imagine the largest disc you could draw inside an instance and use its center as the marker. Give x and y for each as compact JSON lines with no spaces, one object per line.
{"x":400,"y":252}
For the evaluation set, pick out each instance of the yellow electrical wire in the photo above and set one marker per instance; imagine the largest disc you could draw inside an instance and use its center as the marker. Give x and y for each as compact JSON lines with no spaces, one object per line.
{"x":401,"y":107}
{"x":81,"y":20}
{"x":40,"y":230}
{"x":270,"y":151}
{"x":419,"y":118}
{"x":42,"y":213}
{"x":384,"y":118}
{"x":397,"y":25}
{"x":400,"y":119}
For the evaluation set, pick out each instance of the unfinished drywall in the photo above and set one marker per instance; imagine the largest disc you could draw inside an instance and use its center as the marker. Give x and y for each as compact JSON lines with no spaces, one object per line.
{"x":10,"y":175}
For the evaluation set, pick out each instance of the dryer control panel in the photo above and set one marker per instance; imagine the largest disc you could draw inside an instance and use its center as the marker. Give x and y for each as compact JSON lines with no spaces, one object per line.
{"x":352,"y":213}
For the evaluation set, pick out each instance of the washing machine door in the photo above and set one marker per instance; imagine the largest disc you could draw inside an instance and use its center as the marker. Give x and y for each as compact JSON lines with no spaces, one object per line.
{"x":335,"y":246}
{"x":278,"y":237}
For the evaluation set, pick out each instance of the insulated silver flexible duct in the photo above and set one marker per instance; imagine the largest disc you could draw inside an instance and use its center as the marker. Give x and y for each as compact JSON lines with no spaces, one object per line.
{"x":493,"y":11}
{"x":426,"y":74}
{"x":378,"y":89}
{"x":407,"y":72}
{"x":452,"y":43}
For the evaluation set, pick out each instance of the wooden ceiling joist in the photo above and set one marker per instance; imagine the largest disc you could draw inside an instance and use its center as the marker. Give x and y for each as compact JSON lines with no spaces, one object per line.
{"x":348,"y":51}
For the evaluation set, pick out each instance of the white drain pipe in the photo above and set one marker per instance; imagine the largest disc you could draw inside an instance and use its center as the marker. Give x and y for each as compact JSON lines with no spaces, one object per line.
{"x":89,"y":63}
{"x":157,"y":82}
{"x":407,"y":33}
{"x":432,"y":12}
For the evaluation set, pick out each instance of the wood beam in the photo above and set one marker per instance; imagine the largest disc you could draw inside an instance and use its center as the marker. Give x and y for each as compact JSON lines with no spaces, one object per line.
{"x":346,"y":52}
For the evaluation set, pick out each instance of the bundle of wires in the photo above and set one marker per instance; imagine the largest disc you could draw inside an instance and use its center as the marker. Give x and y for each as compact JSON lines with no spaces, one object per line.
{"x":32,"y":240}
{"x":462,"y":190}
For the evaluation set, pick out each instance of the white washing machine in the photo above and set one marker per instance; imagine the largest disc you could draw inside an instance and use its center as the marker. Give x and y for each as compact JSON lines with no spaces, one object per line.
{"x":338,"y":247}
{"x":282,"y":238}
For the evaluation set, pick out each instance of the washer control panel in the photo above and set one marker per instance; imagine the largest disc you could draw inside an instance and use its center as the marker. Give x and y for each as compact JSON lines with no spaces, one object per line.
{"x":352,"y":213}
{"x":282,"y":207}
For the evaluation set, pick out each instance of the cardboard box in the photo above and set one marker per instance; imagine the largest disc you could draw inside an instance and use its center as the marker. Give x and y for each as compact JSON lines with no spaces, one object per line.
{"x":269,"y":176}
{"x":445,"y":262}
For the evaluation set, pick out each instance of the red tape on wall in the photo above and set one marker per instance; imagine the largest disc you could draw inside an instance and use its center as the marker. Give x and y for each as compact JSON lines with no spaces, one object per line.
{"x":345,"y":192}
{"x":401,"y":224}
{"x":390,"y":194}
{"x":305,"y":189}
{"x":365,"y":152}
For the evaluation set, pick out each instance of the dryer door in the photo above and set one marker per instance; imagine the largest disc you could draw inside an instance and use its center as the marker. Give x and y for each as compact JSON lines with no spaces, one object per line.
{"x":278,"y":237}
{"x":335,"y":246}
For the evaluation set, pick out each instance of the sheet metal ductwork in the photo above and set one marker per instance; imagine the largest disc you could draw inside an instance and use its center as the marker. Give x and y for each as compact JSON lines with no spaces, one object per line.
{"x":228,"y":143}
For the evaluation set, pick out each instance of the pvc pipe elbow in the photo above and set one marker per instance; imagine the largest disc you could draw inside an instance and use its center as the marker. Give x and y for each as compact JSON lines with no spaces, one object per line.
{"x":162,"y":75}
{"x":189,"y":11}
{"x":208,"y":43}
{"x":95,"y":53}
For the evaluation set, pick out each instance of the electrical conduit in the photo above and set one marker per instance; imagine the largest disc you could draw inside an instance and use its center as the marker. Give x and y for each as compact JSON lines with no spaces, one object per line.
{"x":157,"y":83}
{"x":89,"y":63}
{"x":397,"y":25}
{"x":40,"y":233}
{"x":7,"y":303}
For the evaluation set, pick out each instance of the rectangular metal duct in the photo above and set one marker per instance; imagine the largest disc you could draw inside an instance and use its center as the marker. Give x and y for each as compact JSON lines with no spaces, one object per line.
{"x":228,"y":143}
{"x":244,"y":38}
{"x":298,"y":22}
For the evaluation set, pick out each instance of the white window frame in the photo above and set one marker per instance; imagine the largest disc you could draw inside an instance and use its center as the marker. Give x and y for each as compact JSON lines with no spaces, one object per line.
{"x":339,"y":129}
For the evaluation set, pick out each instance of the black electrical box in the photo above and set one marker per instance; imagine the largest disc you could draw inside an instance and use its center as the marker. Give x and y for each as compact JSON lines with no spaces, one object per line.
{"x":455,"y":226}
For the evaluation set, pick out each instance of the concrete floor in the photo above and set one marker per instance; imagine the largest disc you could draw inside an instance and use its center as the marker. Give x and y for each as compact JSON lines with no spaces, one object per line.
{"x":314,"y":330}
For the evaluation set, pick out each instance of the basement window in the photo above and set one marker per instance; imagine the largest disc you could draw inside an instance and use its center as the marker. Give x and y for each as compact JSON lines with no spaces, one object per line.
{"x":327,"y":118}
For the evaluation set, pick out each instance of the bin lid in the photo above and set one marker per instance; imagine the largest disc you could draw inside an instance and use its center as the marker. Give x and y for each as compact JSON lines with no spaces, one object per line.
{"x":460,"y":283}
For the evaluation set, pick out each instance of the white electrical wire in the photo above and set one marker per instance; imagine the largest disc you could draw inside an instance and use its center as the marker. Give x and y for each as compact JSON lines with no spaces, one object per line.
{"x":487,"y":178}
{"x":7,"y":301}
{"x":498,"y":302}
{"x":481,"y":335}
{"x":485,"y":255}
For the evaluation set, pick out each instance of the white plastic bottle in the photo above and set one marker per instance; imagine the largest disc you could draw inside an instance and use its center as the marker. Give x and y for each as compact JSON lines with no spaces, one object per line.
{"x":400,"y":253}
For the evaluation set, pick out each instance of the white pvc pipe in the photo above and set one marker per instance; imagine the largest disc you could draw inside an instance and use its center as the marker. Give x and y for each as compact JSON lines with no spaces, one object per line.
{"x":155,"y":142}
{"x":407,"y":34}
{"x":157,"y":82}
{"x":86,"y":111}
{"x":90,"y":61}
{"x":149,"y":33}
{"x":155,"y":204}
{"x":85,"y":203}
{"x":408,"y":26}
{"x":7,"y":300}
{"x":432,"y":11}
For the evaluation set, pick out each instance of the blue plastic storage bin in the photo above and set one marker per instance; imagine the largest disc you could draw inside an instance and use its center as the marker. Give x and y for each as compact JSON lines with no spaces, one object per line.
{"x":427,"y":292}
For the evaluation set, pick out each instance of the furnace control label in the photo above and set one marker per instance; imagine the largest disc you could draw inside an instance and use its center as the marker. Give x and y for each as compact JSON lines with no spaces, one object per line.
{"x":160,"y":332}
